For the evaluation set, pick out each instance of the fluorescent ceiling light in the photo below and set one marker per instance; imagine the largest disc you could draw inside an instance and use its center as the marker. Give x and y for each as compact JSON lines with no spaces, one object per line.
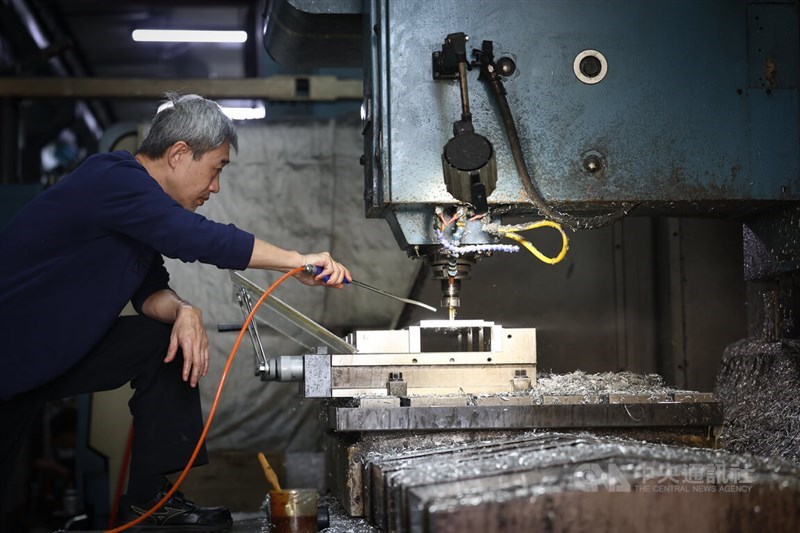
{"x":189,"y":36}
{"x":29,"y":20}
{"x":245,"y":113}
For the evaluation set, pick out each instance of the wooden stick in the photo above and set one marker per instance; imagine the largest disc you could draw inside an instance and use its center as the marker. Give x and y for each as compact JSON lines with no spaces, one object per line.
{"x":272,"y":478}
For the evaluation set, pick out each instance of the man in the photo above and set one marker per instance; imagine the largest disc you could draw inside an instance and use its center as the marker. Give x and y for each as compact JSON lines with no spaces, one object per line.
{"x":81,"y":250}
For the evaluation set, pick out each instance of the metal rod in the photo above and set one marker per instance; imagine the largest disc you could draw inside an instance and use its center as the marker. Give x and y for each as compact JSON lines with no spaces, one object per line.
{"x":315,"y":270}
{"x":379,"y":291}
{"x":462,"y":80}
{"x":246,"y":306}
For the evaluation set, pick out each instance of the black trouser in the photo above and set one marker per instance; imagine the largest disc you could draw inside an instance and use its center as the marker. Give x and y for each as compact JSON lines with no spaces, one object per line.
{"x":167,"y":418}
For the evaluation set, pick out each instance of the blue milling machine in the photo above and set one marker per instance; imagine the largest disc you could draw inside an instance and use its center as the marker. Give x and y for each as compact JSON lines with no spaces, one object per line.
{"x":481,"y":117}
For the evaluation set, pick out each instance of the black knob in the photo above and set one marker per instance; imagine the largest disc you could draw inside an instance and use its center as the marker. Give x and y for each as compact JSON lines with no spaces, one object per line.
{"x":506,"y":66}
{"x":590,"y":66}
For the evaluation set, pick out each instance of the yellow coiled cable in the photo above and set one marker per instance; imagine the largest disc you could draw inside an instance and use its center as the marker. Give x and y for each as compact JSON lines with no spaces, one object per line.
{"x":511,"y":233}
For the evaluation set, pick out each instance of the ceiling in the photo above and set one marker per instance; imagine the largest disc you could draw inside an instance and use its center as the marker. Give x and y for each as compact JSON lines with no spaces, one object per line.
{"x":92,"y":39}
{"x":101,"y":32}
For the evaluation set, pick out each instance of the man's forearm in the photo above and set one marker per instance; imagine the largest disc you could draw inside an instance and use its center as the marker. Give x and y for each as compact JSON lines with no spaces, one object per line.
{"x":188,"y":335}
{"x":271,"y":257}
{"x":163,"y":306}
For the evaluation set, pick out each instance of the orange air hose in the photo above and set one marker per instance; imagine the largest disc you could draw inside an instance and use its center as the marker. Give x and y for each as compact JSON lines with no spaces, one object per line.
{"x":213,"y":410}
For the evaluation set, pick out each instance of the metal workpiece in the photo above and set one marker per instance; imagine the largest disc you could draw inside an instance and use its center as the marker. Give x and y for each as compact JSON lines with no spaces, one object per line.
{"x":396,"y":386}
{"x":346,"y":456}
{"x":436,"y":357}
{"x":572,"y":400}
{"x":495,"y":481}
{"x":317,"y":375}
{"x":665,"y":414}
{"x":521,"y":381}
{"x":432,"y":357}
{"x":583,"y":480}
{"x":589,"y":512}
{"x":440,"y":336}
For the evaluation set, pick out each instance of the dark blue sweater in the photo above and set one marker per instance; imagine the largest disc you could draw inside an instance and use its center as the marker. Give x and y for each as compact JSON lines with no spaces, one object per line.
{"x":78,"y":252}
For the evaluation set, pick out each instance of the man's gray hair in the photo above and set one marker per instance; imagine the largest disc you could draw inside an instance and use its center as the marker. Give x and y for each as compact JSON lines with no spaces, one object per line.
{"x":190,"y":118}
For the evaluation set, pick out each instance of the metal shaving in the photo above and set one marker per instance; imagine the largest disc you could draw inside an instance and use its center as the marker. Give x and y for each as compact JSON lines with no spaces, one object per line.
{"x":591,"y":388}
{"x":759,"y":386}
{"x":413,"y":477}
{"x":580,"y":383}
{"x":340,"y":522}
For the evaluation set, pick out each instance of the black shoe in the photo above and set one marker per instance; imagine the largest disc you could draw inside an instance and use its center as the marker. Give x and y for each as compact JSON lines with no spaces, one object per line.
{"x":176,"y":515}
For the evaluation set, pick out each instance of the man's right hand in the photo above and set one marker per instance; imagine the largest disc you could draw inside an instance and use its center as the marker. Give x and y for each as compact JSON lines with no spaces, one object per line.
{"x":336,"y":272}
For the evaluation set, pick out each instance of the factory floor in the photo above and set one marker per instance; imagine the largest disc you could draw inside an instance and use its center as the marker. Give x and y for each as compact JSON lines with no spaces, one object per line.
{"x":257,"y":523}
{"x":339,"y":522}
{"x":235,"y":479}
{"x":249,"y":523}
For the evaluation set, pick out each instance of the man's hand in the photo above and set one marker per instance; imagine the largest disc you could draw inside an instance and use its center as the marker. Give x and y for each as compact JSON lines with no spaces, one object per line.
{"x":336,"y":271}
{"x":189,"y":335}
{"x":270,"y":257}
{"x":188,"y":332}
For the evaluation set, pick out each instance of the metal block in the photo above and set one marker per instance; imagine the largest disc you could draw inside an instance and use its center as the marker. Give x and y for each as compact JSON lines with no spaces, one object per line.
{"x":386,"y":401}
{"x":396,"y":386}
{"x":534,"y":481}
{"x":436,"y":401}
{"x":344,"y":465}
{"x":490,"y":359}
{"x":464,"y":335}
{"x":704,"y":414}
{"x":581,"y":511}
{"x":381,"y":341}
{"x":433,"y":358}
{"x":317,"y":375}
{"x":636,"y":398}
{"x":393,"y":478}
{"x":694,"y":397}
{"x":570,"y":399}
{"x":520,"y":384}
{"x":345,"y":456}
{"x":425,"y":379}
{"x":503,"y":400}
{"x":391,"y":474}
